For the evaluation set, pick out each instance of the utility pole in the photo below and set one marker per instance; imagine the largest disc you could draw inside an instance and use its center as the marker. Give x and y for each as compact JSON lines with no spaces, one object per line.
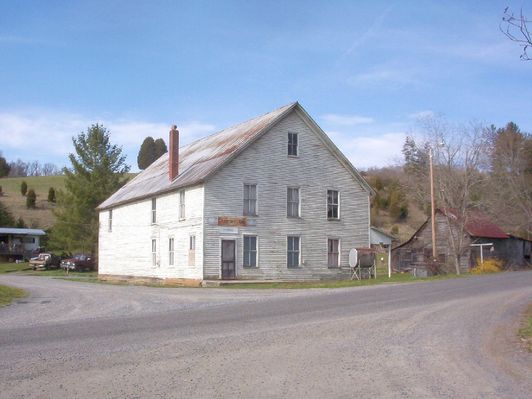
{"x":432,"y":210}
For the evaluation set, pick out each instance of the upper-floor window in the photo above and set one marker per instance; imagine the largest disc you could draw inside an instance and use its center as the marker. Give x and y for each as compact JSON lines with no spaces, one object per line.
{"x":293,"y":251}
{"x":333,"y":204}
{"x":154,"y":210}
{"x":292,"y":202}
{"x":292,"y":144}
{"x":250,"y":200}
{"x":250,"y":251}
{"x":182,"y":204}
{"x":171,"y":251}
{"x":333,"y":253}
{"x":110,"y":220}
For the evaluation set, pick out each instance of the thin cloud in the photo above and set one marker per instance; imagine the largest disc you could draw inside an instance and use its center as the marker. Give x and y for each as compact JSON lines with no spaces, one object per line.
{"x":422,"y":115}
{"x":346,"y":120}
{"x":386,"y":75}
{"x":47,"y":136}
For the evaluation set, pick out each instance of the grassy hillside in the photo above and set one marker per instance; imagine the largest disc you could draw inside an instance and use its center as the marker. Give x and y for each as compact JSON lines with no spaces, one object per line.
{"x":42,"y":216}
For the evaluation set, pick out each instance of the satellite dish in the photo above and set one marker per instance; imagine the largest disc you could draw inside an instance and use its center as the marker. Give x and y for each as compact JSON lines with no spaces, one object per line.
{"x":353,"y":257}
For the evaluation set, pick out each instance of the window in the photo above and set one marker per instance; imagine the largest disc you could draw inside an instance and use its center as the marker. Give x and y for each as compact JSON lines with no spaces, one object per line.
{"x":110,"y":227}
{"x":333,"y":253}
{"x":154,"y":210}
{"x":171,"y":251}
{"x":250,"y":200}
{"x":182,"y":205}
{"x":154,"y":252}
{"x":293,"y":251}
{"x":292,"y":202}
{"x":333,"y":204}
{"x":250,"y":251}
{"x":292,"y":144}
{"x":192,"y":251}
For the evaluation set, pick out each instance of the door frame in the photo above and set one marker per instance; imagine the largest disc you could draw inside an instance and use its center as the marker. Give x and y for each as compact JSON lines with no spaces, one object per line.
{"x":229,"y":238}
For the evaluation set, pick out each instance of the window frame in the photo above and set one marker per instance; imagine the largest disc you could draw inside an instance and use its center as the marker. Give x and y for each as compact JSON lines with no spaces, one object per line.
{"x":192,"y":250}
{"x":171,"y":251}
{"x":182,"y":205}
{"x":110,"y":221}
{"x":154,"y":252}
{"x":288,"y":251}
{"x":256,"y":251}
{"x":337,"y":205}
{"x":338,"y":253}
{"x":247,"y":201}
{"x":154,"y":210}
{"x":288,"y":203}
{"x":291,"y":145}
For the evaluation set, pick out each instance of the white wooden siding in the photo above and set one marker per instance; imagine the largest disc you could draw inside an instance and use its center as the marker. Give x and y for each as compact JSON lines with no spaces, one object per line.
{"x":314,"y":171}
{"x":126,"y":250}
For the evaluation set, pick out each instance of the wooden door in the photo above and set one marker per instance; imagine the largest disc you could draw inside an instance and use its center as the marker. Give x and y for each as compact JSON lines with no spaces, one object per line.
{"x":228,"y":259}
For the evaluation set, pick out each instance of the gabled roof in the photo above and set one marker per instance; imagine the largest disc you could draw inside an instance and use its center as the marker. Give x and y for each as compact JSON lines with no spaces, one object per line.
{"x":204,"y":157}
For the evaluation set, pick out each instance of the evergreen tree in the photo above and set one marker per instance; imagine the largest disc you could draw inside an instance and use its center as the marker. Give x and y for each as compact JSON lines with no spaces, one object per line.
{"x":97,"y":171}
{"x":31,"y":197}
{"x":51,"y":195}
{"x":6,"y":219}
{"x":160,"y":148}
{"x":23,"y":188}
{"x":20,"y":224}
{"x":4,"y":166}
{"x":147,"y":153}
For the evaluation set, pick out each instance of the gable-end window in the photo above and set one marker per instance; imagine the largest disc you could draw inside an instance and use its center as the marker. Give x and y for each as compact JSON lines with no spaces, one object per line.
{"x":110,"y":227}
{"x":171,"y":251}
{"x":182,"y":205}
{"x":250,"y":200}
{"x":293,"y":251}
{"x":154,"y":252}
{"x":333,"y":204}
{"x":292,"y":202}
{"x":192,"y":251}
{"x":154,"y":210}
{"x":250,"y":251}
{"x":292,"y":144}
{"x":333,"y":252}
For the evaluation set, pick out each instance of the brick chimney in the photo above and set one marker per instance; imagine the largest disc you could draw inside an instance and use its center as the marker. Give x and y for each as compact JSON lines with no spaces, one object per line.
{"x":173,"y":152}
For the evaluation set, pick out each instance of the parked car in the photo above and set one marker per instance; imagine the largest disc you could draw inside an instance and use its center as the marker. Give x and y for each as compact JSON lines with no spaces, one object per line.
{"x":45,"y":260}
{"x":79,"y":262}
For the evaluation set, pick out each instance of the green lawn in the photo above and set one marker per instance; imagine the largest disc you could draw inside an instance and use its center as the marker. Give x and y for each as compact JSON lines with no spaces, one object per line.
{"x":7,"y":294}
{"x":9,"y":267}
{"x":525,"y":332}
{"x":396,"y":278}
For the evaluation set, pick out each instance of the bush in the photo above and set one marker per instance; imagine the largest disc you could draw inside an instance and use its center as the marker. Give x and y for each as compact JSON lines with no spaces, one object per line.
{"x":1,"y":192}
{"x":492,"y":265}
{"x":51,"y":195}
{"x":30,"y":199}
{"x":23,"y":188}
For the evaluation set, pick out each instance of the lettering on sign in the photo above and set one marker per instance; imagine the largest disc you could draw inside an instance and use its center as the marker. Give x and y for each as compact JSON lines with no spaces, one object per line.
{"x":232,"y":221}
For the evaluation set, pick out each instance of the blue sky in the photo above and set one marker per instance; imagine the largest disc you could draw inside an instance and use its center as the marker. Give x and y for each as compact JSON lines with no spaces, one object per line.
{"x":365,"y":71}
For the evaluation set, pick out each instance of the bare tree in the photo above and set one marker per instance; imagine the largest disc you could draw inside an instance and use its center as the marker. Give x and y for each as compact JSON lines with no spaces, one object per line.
{"x":34,"y":168}
{"x":515,"y":27}
{"x":49,"y":169}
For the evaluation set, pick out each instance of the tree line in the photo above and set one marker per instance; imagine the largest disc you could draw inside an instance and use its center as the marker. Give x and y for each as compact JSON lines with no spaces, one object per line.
{"x":20,"y":168}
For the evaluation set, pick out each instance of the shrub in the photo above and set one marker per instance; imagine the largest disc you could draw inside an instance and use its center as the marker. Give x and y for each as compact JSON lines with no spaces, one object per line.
{"x":51,"y":195}
{"x":23,"y":188}
{"x":1,"y":192}
{"x":21,"y":224}
{"x":492,"y":265}
{"x":395,"y":230}
{"x":30,"y":199}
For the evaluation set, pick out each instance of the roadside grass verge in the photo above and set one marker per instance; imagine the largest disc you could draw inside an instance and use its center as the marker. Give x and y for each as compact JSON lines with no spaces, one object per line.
{"x":7,"y":294}
{"x":10,"y":267}
{"x":525,"y":332}
{"x":396,"y":278}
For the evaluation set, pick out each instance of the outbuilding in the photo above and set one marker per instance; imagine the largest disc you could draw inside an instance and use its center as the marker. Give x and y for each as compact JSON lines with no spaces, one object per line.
{"x":16,"y":243}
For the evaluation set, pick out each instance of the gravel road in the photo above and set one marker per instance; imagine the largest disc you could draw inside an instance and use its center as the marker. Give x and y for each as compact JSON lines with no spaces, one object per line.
{"x":445,"y":339}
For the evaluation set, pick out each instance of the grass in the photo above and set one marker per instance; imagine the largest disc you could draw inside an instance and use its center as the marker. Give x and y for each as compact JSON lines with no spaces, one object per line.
{"x":7,"y":294}
{"x":525,"y":332}
{"x":396,"y":278}
{"x":9,"y":267}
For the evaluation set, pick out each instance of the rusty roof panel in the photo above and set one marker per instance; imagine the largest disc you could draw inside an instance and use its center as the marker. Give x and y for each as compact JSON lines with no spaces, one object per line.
{"x":197,"y":160}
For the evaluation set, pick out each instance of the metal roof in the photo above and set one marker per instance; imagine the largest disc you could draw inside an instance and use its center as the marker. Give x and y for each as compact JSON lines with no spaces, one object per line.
{"x":479,"y":225}
{"x":202,"y":158}
{"x":27,"y":232}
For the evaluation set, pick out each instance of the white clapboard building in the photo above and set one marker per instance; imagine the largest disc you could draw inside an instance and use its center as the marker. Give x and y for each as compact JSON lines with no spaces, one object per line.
{"x":269,"y":198}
